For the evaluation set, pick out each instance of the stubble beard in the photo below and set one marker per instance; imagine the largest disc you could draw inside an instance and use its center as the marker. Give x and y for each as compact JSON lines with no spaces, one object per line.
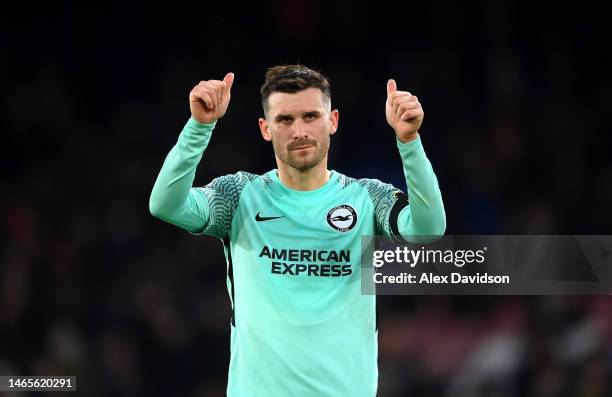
{"x":301,"y":163}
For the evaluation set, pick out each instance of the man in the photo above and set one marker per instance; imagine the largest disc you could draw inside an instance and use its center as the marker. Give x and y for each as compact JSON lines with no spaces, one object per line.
{"x":300,"y":325}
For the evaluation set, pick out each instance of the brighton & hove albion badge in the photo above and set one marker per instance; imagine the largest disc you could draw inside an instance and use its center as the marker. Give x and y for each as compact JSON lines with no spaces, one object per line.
{"x":342,"y":218}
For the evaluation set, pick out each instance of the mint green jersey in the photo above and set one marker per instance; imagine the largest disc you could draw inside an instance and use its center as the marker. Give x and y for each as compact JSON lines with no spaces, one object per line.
{"x":300,"y":324}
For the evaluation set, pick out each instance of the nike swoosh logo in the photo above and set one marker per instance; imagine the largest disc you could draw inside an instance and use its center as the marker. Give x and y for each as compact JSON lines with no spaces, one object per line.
{"x":266,"y":218}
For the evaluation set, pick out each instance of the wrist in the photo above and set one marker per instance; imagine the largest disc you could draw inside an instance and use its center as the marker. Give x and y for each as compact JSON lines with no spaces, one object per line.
{"x":405,"y":138}
{"x":198,"y":127}
{"x":202,"y":124}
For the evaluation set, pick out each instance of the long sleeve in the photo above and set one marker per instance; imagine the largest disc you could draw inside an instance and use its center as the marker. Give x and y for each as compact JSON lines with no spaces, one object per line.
{"x":173,"y":199}
{"x":424,"y":216}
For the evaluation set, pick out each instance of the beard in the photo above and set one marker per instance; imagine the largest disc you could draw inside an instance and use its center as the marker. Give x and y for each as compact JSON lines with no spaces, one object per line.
{"x":299,"y":160}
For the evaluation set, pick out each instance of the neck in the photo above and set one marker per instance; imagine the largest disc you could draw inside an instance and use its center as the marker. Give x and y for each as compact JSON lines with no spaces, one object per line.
{"x":309,"y":179}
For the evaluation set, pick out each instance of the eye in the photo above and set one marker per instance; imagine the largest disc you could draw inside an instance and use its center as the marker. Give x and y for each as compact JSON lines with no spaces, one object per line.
{"x":310,"y":116}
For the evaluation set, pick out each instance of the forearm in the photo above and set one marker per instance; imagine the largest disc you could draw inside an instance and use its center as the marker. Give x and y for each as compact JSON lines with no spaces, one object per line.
{"x":173,"y":199}
{"x":424,"y":216}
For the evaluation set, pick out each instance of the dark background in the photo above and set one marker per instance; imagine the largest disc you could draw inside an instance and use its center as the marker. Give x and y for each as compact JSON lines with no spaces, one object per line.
{"x":516,"y":97}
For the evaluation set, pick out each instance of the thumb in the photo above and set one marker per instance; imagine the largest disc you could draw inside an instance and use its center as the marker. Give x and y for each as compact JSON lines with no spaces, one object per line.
{"x":228,"y":80}
{"x":391,"y":86}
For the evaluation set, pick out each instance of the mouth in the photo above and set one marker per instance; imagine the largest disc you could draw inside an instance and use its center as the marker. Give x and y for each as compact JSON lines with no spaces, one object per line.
{"x":301,"y":147}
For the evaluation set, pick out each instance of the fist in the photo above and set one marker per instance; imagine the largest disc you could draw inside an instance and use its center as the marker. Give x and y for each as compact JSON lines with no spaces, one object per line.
{"x":404,"y":112}
{"x":208,"y":100}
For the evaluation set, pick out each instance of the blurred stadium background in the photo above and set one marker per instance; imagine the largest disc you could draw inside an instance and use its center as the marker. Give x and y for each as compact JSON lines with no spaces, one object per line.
{"x":517,"y":126}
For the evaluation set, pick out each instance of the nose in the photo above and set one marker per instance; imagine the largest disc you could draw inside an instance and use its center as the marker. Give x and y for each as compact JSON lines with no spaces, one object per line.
{"x":299,"y":130}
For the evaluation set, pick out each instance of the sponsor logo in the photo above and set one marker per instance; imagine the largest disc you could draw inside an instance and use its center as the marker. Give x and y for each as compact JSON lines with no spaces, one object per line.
{"x":287,"y":262}
{"x":342,"y":218}
{"x":259,"y":218}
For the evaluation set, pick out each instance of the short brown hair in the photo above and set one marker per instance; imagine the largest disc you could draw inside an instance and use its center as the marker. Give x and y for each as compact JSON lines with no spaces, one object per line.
{"x":291,"y":79}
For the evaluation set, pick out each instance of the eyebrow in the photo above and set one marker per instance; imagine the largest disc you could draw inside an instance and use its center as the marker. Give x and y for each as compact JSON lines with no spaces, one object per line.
{"x":289,"y":116}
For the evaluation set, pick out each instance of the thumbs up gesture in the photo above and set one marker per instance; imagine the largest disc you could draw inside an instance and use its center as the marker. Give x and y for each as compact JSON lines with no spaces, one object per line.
{"x":208,"y":100}
{"x":404,"y":112}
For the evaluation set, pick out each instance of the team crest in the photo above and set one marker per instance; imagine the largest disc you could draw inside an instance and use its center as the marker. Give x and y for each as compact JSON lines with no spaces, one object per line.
{"x":342,"y":218}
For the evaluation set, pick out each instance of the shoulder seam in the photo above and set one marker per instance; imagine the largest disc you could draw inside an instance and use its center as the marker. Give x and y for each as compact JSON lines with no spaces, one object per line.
{"x":251,"y":178}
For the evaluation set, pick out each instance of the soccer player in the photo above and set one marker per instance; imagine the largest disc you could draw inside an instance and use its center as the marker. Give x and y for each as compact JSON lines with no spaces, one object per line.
{"x":300,"y":325}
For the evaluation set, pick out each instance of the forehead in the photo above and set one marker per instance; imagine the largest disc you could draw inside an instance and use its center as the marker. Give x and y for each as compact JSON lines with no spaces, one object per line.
{"x":298,"y":102}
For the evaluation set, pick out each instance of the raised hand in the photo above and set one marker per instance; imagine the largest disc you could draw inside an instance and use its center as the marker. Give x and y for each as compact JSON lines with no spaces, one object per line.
{"x":208,"y":100}
{"x":404,"y":112}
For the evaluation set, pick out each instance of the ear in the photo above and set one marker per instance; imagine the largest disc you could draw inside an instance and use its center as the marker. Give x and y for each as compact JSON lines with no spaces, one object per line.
{"x":265,"y":131}
{"x":334,"y":115}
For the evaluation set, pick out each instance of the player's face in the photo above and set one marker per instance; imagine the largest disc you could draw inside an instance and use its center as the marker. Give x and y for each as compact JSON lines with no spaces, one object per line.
{"x":299,"y":126}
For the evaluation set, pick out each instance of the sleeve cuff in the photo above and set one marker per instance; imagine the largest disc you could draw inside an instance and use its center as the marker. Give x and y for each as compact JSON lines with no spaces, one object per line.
{"x":409,"y":147}
{"x":200,"y":128}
